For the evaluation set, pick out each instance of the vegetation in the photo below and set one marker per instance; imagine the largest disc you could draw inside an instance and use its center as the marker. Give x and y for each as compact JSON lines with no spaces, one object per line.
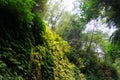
{"x":31,"y":50}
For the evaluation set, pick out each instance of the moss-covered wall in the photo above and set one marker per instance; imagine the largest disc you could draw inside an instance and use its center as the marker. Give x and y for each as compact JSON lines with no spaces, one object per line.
{"x":28,"y":49}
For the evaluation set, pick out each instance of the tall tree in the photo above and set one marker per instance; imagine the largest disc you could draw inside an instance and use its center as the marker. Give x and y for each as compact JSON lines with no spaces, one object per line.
{"x":56,"y":9}
{"x":109,"y":9}
{"x":105,"y":8}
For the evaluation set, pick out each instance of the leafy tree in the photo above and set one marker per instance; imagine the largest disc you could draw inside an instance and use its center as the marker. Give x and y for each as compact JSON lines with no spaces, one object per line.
{"x":56,"y":9}
{"x":105,"y":8}
{"x":109,"y":9}
{"x":69,"y":28}
{"x":112,"y":56}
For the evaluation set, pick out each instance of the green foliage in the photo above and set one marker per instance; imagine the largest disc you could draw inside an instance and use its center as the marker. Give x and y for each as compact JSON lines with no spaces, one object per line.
{"x":20,"y":31}
{"x":19,"y":11}
{"x":90,"y":67}
{"x":90,"y":9}
{"x":70,"y":28}
{"x":58,"y":47}
{"x":64,"y":25}
{"x":76,"y":75}
{"x":112,"y":52}
{"x":116,"y":65}
{"x":95,"y":70}
{"x":38,"y":29}
{"x":112,"y":55}
{"x":30,"y":51}
{"x":41,"y":7}
{"x":115,"y":37}
{"x":76,"y":58}
{"x":42,"y":63}
{"x":109,"y":9}
{"x":15,"y":39}
{"x":50,"y":62}
{"x":92,"y":70}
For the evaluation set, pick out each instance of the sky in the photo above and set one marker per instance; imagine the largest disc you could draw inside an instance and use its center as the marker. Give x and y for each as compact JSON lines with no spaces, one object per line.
{"x":90,"y":26}
{"x":98,"y":25}
{"x":68,"y":4}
